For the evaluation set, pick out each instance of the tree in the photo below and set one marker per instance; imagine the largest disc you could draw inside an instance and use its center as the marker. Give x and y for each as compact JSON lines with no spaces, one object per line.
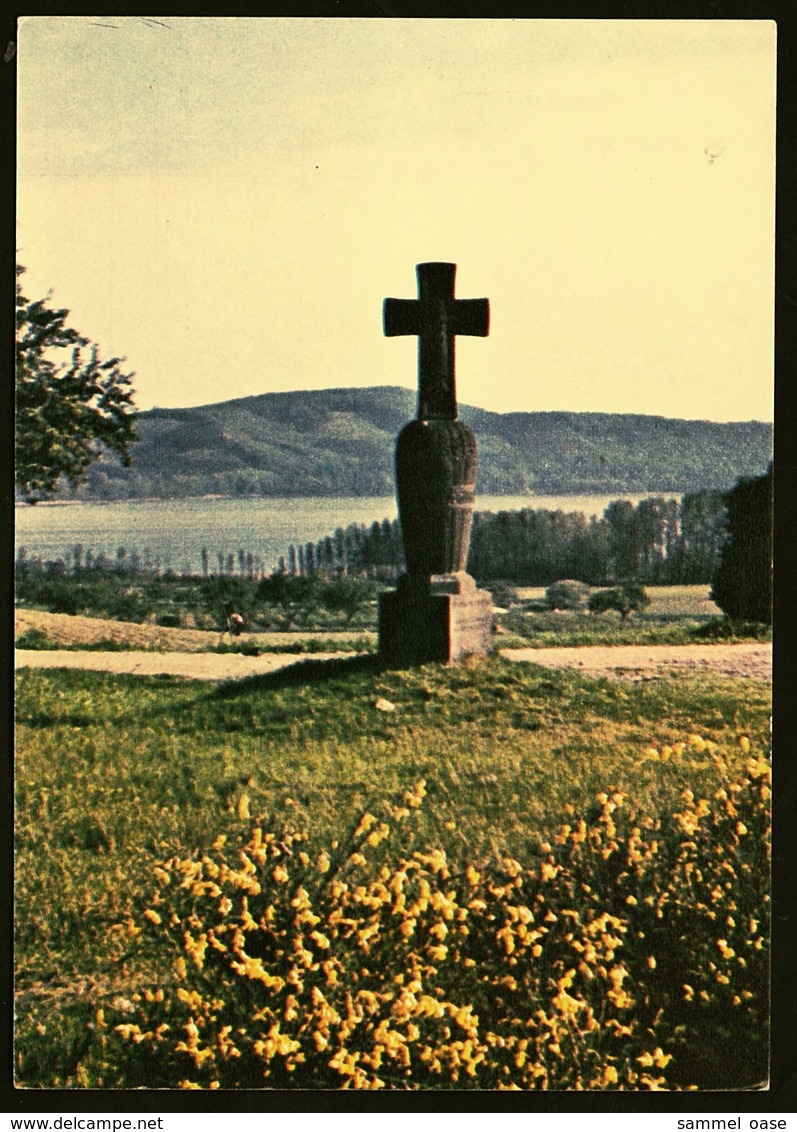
{"x":68,"y":403}
{"x":743,"y":583}
{"x":703,"y":533}
{"x":624,"y":600}
{"x":619,"y":516}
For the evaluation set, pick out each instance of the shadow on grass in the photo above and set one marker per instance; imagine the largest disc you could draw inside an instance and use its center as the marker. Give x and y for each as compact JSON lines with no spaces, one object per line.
{"x":308,"y":671}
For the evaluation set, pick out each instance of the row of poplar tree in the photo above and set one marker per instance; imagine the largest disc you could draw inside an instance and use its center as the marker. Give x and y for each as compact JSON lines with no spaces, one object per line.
{"x":658,"y":541}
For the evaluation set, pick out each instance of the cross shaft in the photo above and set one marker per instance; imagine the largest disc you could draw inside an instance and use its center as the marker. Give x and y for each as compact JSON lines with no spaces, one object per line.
{"x":436,"y":317}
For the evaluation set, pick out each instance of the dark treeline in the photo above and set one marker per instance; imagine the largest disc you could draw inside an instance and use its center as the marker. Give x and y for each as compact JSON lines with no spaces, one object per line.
{"x":358,"y":551}
{"x":85,"y":561}
{"x":657,"y":542}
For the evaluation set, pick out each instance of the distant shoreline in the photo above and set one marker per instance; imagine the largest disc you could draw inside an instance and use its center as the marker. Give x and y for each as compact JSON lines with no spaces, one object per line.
{"x":668,"y":493}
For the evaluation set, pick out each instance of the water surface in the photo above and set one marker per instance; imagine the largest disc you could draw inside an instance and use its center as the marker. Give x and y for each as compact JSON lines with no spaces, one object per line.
{"x":174,"y":532}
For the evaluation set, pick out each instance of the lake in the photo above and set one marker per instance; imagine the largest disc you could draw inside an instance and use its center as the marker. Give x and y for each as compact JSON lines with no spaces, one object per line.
{"x":174,"y":531}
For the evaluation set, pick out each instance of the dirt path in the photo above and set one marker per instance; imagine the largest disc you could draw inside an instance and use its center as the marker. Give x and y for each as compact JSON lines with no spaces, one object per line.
{"x":640,"y":662}
{"x":624,"y":662}
{"x":196,"y":665}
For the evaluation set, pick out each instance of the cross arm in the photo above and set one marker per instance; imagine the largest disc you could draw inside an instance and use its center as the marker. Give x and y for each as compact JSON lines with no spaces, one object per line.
{"x":470,"y":316}
{"x":401,"y":316}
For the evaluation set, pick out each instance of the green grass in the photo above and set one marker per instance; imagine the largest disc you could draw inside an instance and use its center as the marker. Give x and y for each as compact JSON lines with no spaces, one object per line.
{"x":677,"y":615}
{"x":114,"y":773}
{"x":307,"y":646}
{"x":575,"y":629}
{"x":39,"y":640}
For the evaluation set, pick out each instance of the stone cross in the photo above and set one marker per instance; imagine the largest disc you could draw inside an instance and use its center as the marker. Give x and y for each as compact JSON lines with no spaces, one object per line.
{"x":436,"y":317}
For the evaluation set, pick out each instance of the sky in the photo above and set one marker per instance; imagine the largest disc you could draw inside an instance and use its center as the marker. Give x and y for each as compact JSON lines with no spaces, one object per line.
{"x":226,"y":202}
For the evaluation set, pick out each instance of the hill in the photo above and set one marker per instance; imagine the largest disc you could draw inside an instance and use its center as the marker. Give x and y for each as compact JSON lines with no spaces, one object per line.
{"x":340,"y":442}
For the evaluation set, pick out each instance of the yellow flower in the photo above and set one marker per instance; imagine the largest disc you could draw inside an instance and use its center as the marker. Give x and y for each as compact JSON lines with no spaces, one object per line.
{"x":744,"y":743}
{"x":280,"y":874}
{"x":365,"y":823}
{"x":414,"y":800}
{"x":243,"y":807}
{"x":609,"y":1075}
{"x":152,"y":915}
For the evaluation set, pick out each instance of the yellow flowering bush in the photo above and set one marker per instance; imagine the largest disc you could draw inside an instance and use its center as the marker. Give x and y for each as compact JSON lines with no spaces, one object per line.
{"x":630,"y":953}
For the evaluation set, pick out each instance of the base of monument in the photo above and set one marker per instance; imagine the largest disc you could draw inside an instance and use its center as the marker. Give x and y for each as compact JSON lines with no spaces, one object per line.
{"x":441,"y":618}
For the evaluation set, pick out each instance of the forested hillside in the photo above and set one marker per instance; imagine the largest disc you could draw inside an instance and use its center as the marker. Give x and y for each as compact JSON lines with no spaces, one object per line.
{"x":341,"y":441}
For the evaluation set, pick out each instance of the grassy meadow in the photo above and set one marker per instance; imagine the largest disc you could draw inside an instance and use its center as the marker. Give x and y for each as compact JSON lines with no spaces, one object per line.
{"x":677,"y":615}
{"x":487,"y":875}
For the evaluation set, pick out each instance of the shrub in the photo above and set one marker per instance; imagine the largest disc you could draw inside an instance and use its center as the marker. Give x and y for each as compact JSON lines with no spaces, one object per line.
{"x":37,"y":639}
{"x":347,"y":596}
{"x":631,"y":954}
{"x":131,"y":604}
{"x":239,"y":647}
{"x":625,"y":600}
{"x":567,"y":594}
{"x":59,"y":595}
{"x":503,"y":593}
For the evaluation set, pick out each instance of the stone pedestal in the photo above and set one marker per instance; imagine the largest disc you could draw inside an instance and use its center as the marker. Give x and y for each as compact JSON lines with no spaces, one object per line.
{"x":438,"y":618}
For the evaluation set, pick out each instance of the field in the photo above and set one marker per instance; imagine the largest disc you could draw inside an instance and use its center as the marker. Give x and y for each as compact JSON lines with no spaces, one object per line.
{"x":488,"y":875}
{"x":673,"y":601}
{"x":676,"y":615}
{"x":36,"y":628}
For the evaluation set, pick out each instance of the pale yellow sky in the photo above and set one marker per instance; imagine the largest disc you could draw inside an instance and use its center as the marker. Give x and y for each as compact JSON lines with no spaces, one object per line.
{"x":227,"y":202}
